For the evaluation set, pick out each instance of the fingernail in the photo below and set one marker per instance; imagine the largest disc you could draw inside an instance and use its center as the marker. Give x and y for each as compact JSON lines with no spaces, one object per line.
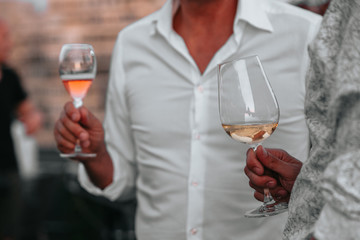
{"x":82,"y":136}
{"x":271,"y":184}
{"x":74,"y":117}
{"x":281,"y":194}
{"x":86,"y":144}
{"x":257,"y":170}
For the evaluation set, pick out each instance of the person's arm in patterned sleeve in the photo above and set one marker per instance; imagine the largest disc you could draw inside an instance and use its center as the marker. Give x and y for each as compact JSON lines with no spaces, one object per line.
{"x":340,"y":217}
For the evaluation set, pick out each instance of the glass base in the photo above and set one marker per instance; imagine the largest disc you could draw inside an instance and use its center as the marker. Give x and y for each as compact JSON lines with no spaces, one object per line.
{"x":267,"y":210}
{"x":77,"y":154}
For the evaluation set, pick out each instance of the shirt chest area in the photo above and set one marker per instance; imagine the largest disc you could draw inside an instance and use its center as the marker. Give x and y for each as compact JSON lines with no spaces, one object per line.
{"x":172,"y":101}
{"x":166,"y":94}
{"x":164,"y":100}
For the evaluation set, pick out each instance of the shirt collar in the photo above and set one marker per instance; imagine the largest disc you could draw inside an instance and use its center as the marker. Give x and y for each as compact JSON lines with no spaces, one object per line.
{"x":254,"y":13}
{"x":251,"y":11}
{"x":163,"y":20}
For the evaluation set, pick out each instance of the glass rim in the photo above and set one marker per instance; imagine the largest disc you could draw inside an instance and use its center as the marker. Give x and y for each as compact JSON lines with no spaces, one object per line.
{"x":240,"y":58}
{"x":78,"y":45}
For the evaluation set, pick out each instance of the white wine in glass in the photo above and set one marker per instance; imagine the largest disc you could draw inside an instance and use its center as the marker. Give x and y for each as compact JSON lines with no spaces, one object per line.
{"x":77,"y":69}
{"x":249,"y":113}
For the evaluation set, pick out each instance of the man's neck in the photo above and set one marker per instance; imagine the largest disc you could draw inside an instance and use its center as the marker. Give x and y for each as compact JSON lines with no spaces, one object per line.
{"x":205,"y":25}
{"x":203,"y":14}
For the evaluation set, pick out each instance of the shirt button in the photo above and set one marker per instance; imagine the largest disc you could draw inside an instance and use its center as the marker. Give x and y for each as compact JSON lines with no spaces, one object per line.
{"x":194,"y":183}
{"x":193,"y":231}
{"x":197,"y":136}
{"x":200,"y":89}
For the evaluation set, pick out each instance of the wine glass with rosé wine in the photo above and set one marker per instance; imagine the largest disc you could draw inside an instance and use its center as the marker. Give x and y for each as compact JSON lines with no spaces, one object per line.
{"x":249,"y":113}
{"x":77,"y":69}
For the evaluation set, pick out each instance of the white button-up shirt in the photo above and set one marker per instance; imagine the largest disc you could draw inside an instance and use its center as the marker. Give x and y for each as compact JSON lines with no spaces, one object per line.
{"x":163,"y":129}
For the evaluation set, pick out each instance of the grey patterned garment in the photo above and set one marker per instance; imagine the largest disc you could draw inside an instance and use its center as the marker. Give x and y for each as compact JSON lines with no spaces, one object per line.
{"x":325,"y":199}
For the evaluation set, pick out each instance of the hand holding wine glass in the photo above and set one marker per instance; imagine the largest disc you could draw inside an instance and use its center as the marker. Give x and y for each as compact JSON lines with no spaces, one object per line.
{"x":249,"y":112}
{"x":81,"y":124}
{"x":283,"y":169}
{"x":77,"y":69}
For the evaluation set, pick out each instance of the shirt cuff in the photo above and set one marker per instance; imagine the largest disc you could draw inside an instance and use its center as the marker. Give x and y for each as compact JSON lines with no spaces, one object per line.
{"x":111,"y":192}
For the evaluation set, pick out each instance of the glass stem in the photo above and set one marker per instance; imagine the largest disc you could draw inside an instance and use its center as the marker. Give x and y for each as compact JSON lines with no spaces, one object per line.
{"x":78,"y":102}
{"x":268,"y":199}
{"x":267,"y":196}
{"x":77,"y":147}
{"x":254,"y":147}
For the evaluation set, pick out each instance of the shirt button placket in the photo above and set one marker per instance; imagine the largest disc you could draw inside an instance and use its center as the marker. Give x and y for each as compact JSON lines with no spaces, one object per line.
{"x":193,"y":231}
{"x":194,"y":183}
{"x":200,"y":88}
{"x":196,"y":174}
{"x":199,"y":91}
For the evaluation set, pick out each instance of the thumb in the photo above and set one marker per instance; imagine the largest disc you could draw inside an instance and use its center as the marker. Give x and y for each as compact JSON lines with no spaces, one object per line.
{"x":88,"y":120}
{"x":278,"y":161}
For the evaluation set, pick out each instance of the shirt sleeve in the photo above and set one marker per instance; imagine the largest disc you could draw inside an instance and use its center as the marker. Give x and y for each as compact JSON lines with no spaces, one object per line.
{"x":340,"y":217}
{"x":118,"y":135}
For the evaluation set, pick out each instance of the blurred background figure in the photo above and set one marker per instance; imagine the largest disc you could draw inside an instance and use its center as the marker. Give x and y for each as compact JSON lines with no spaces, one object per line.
{"x":14,"y":104}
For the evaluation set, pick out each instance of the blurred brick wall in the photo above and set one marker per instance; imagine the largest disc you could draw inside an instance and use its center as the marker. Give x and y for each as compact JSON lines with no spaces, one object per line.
{"x":38,"y":37}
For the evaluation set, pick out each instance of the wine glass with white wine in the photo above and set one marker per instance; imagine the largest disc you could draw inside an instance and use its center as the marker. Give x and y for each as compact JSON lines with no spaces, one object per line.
{"x":77,"y":69}
{"x":249,"y":113}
